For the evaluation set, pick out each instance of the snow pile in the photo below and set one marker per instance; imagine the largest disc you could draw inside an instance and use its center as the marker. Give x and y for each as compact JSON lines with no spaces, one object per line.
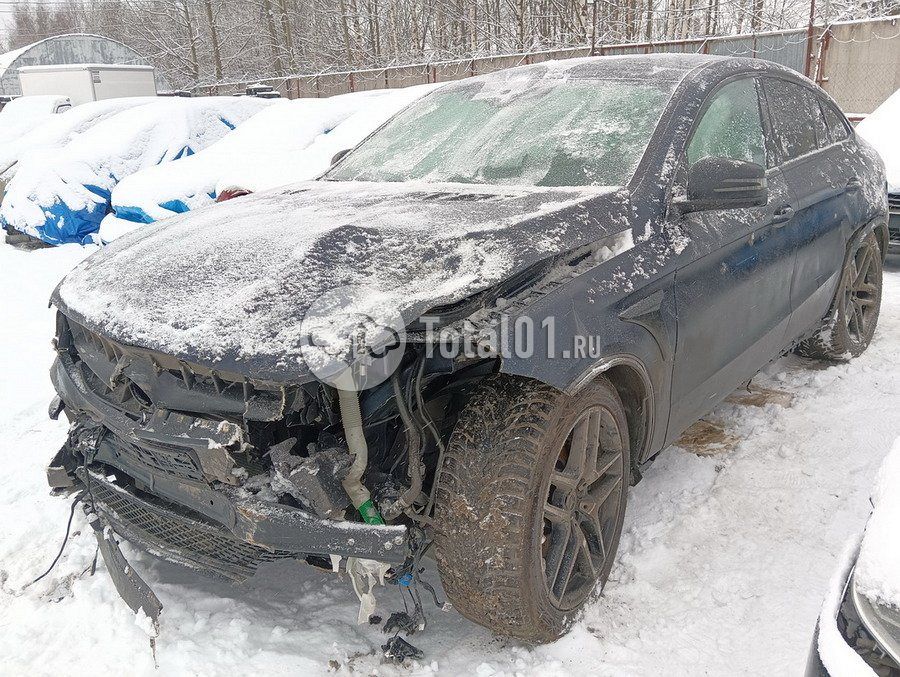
{"x":58,"y":130}
{"x":23,"y":114}
{"x":290,"y":141}
{"x":877,"y":573}
{"x":236,"y":279}
{"x":882,"y":130}
{"x":61,"y":195}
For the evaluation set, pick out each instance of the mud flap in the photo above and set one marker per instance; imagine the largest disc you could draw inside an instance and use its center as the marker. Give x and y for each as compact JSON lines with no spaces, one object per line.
{"x":131,"y":587}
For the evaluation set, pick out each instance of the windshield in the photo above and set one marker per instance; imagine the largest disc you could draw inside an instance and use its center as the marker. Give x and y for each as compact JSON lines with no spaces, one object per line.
{"x":515,"y":131}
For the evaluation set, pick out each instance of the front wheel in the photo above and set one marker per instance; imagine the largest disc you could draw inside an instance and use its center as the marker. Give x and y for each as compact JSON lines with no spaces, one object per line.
{"x":531,"y":503}
{"x":850,"y":324}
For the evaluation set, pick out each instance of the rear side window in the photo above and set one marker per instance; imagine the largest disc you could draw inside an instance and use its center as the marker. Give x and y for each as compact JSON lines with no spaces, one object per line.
{"x":836,"y":128}
{"x":730,"y":126}
{"x":796,"y":118}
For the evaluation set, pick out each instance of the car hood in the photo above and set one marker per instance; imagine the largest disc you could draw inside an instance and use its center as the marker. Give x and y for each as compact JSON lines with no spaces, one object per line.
{"x":877,"y":572}
{"x":228,"y":286}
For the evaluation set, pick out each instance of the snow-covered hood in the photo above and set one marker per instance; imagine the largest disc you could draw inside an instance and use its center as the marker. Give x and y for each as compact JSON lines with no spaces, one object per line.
{"x":228,"y":286}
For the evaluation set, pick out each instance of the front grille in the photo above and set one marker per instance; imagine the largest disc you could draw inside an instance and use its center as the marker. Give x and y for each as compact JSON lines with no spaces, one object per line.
{"x":169,"y":459}
{"x":894,"y":201}
{"x":174,"y":535}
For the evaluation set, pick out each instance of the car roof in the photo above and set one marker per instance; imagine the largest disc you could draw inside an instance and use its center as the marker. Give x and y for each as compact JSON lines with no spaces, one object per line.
{"x":663,"y":67}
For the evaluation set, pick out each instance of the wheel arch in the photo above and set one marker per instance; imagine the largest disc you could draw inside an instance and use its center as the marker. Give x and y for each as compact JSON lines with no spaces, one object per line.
{"x":881,"y":232}
{"x":632,"y":382}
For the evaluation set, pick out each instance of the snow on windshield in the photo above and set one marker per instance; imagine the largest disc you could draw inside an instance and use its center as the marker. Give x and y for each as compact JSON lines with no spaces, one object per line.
{"x":529,"y":128}
{"x":23,"y":114}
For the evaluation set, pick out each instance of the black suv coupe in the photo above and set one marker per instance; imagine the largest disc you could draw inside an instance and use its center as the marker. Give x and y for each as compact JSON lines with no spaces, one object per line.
{"x":580,"y":258}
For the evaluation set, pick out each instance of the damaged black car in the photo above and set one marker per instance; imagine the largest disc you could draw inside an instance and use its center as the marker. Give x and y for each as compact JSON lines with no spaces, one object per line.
{"x":466,"y":340}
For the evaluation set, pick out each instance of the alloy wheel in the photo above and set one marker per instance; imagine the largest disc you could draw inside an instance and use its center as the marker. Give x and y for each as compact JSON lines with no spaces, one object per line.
{"x":861,"y":293}
{"x":582,"y":507}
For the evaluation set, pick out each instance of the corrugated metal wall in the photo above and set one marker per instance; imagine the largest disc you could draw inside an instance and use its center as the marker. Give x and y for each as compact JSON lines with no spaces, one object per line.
{"x":69,"y":49}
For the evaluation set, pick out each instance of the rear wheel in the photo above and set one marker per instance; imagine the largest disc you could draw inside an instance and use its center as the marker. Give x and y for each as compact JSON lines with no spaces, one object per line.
{"x":849,"y":326}
{"x":531,"y":503}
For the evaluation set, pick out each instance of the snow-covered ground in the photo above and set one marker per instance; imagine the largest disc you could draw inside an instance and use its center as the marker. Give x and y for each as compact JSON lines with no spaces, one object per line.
{"x":722,"y":567}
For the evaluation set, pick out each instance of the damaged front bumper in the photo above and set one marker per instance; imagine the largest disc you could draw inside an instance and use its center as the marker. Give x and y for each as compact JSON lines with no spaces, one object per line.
{"x":140,"y":480}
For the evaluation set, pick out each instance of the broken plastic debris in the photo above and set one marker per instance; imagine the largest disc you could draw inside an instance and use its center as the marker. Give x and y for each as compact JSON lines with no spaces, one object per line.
{"x":398,"y":650}
{"x":364,"y":574}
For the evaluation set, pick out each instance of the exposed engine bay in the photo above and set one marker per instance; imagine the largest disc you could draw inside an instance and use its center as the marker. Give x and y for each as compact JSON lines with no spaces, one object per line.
{"x":223,"y":474}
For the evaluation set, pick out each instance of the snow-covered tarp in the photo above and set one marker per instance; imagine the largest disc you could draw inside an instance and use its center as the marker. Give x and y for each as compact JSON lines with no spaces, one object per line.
{"x":23,"y":114}
{"x":289,"y":142}
{"x":882,"y":130}
{"x":61,"y":195}
{"x":57,"y":130}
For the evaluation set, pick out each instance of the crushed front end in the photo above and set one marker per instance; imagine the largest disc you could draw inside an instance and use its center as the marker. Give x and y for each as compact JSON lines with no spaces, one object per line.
{"x":208,"y":469}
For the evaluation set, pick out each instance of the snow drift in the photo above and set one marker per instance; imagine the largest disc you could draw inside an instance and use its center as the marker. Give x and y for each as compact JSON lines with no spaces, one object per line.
{"x":291,"y":141}
{"x":61,"y":195}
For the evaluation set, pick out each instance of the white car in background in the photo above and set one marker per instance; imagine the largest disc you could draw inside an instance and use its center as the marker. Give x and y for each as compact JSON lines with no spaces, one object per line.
{"x":859,"y":628}
{"x":289,"y":142}
{"x":882,"y":130}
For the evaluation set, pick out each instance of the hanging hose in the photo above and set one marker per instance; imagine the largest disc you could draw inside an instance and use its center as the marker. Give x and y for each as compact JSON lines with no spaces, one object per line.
{"x":356,"y":443}
{"x":414,"y":445}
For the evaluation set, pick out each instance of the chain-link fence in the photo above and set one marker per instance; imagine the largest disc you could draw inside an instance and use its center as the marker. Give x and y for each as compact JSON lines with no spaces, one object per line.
{"x":859,"y":63}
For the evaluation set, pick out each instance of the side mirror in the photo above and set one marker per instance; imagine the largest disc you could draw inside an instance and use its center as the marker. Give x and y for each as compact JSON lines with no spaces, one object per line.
{"x":340,"y":154}
{"x":723,"y":183}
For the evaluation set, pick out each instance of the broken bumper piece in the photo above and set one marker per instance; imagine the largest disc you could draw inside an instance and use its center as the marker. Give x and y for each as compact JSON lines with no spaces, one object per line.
{"x":130,"y":586}
{"x":170,"y":508}
{"x":262,"y":532}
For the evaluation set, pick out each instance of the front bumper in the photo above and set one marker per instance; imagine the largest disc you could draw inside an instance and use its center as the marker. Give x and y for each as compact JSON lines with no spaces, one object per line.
{"x":859,"y":644}
{"x":155,"y":498}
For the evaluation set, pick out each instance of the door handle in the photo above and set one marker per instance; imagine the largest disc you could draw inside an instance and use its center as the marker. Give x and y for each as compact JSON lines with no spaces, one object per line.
{"x":782,"y":215}
{"x":854,"y":184}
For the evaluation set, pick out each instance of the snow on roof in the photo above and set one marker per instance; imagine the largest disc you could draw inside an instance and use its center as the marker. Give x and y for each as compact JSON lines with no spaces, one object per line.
{"x":84,"y":66}
{"x":63,"y":49}
{"x":7,"y":59}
